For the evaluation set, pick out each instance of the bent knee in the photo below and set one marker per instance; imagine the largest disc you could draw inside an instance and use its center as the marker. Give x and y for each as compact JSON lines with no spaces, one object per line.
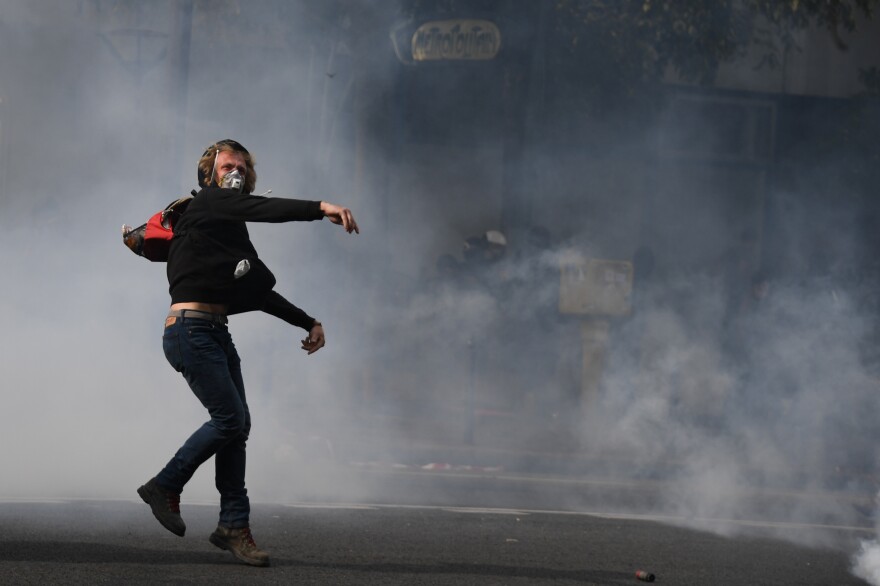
{"x":233,"y":424}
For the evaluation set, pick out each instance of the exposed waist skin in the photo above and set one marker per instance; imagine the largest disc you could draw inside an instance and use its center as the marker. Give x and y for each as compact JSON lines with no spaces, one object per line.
{"x":208,"y":307}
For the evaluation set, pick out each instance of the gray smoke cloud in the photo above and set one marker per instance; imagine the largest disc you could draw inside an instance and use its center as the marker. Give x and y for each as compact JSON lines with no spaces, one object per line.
{"x":733,"y":412}
{"x":88,"y":124}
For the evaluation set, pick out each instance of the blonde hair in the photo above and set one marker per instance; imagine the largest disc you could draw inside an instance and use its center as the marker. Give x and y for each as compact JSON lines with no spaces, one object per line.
{"x":206,"y":164}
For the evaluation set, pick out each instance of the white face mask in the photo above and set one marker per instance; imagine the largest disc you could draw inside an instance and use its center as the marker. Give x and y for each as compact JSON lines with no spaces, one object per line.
{"x":233,"y":180}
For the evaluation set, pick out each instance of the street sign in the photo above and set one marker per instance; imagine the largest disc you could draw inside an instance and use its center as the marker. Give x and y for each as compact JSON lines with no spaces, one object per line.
{"x":447,"y":40}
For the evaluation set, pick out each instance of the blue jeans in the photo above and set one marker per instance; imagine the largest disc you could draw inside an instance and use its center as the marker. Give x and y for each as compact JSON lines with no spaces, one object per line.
{"x":203,"y":352}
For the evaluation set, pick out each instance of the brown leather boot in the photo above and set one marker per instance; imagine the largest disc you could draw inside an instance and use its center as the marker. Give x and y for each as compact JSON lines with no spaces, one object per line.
{"x":165,"y":506}
{"x":241,"y":543}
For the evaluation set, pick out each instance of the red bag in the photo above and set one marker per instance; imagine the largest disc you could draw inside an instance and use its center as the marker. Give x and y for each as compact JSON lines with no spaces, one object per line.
{"x":153,"y":239}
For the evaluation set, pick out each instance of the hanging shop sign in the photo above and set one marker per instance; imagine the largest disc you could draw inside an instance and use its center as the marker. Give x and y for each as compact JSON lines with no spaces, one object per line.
{"x":456,"y":40}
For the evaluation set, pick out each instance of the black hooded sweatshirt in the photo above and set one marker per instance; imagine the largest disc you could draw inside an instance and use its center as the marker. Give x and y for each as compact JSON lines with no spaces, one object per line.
{"x":211,"y":239}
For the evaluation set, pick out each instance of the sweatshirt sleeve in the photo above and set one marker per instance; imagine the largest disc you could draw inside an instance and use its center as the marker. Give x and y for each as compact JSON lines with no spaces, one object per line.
{"x":227,"y":204}
{"x":282,"y":308}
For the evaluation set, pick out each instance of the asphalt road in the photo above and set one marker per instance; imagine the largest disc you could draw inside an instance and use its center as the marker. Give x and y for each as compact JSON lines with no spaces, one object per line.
{"x":119,"y":542}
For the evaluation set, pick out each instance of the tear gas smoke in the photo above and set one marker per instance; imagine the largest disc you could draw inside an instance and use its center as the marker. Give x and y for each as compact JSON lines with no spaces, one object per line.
{"x":734,"y":412}
{"x":866,"y":562}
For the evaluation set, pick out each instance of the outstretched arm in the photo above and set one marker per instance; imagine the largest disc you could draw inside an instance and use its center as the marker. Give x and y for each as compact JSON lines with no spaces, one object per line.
{"x":340,"y":215}
{"x":282,"y":308}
